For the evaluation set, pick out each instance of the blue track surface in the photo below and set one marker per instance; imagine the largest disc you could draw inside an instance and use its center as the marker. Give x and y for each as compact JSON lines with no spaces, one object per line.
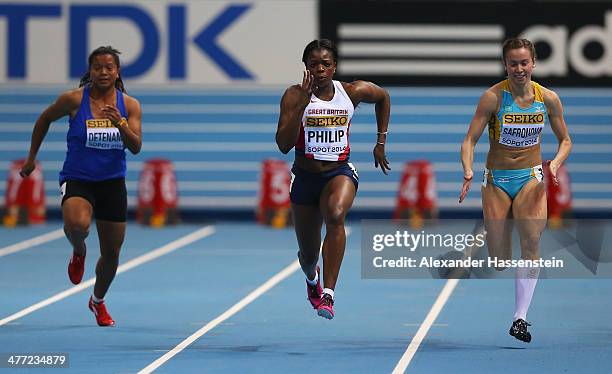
{"x":160,"y":303}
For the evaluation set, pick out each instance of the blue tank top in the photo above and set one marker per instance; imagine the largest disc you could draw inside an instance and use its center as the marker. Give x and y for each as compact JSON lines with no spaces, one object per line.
{"x":95,"y":149}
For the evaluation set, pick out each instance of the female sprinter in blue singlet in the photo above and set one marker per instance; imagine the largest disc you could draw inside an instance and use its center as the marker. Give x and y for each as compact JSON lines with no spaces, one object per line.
{"x":516,"y":111}
{"x":103,"y":122}
{"x":315,"y":118}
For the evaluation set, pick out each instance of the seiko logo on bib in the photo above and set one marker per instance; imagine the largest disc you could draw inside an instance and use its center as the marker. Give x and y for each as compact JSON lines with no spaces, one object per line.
{"x":329,"y":121}
{"x":524,"y":118}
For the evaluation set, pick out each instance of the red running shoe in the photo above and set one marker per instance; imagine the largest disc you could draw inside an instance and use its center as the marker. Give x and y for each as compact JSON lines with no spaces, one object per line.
{"x":315,"y":292}
{"x":326,"y":309}
{"x":102,"y":316}
{"x":76,"y":268}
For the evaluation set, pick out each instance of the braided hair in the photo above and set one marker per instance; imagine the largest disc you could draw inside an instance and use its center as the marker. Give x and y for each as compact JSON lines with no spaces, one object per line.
{"x":104,"y":50}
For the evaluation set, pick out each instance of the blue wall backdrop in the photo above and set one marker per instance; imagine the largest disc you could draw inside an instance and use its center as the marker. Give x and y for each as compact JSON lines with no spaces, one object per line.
{"x":218,"y":138}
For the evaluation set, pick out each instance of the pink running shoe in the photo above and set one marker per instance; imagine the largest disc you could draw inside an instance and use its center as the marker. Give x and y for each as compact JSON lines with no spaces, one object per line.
{"x":315,"y":292}
{"x":326,"y":309}
{"x":102,"y":316}
{"x":76,"y":268}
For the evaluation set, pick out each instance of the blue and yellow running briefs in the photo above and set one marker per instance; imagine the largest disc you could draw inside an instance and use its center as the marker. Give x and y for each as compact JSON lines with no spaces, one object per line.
{"x":512,"y":181}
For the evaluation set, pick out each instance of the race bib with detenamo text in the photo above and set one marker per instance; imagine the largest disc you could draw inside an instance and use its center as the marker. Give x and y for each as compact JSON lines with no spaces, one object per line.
{"x":101,"y":134}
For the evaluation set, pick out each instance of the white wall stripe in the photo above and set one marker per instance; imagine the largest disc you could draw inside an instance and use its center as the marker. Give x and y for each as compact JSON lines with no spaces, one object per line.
{"x":259,"y":128}
{"x":430,"y":67}
{"x":211,"y":201}
{"x":424,"y":31}
{"x":363,"y":167}
{"x":382,"y":49}
{"x":191,"y":147}
{"x":51,"y":186}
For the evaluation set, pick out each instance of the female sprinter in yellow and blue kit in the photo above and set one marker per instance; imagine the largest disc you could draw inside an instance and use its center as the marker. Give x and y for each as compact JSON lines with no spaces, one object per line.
{"x":516,"y":110}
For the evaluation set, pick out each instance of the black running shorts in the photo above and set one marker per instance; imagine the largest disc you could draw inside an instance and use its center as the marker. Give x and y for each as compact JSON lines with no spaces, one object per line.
{"x":108,"y":197}
{"x":306,"y":187}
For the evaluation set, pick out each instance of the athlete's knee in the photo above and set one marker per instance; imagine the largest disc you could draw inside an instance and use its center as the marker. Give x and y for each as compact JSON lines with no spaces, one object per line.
{"x":77,"y":227}
{"x":530,"y":242}
{"x":499,"y":247}
{"x":110,"y":255}
{"x":335,"y":216}
{"x":530,"y":252}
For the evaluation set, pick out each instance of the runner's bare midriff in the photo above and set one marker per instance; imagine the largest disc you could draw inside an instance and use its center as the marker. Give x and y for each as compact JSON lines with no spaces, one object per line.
{"x":501,"y":157}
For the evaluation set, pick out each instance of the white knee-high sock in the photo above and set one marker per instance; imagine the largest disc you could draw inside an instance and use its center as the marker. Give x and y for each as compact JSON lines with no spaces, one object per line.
{"x":525,"y":283}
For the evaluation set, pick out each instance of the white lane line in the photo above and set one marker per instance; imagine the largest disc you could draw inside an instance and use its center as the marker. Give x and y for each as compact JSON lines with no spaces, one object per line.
{"x":270,"y":283}
{"x":225,"y":315}
{"x":53,"y":235}
{"x":254,"y":166}
{"x":170,"y":247}
{"x":443,"y":297}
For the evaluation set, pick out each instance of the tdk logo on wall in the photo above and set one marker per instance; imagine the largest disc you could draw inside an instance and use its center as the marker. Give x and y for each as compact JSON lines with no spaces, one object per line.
{"x":80,"y":16}
{"x":194,"y":41}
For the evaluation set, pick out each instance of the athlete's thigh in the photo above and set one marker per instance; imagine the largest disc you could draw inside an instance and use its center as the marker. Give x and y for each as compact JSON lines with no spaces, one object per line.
{"x":307,"y":222}
{"x":77,"y":210}
{"x":529,"y":210}
{"x":530,"y":202}
{"x":337,"y":197}
{"x":496,"y":204}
